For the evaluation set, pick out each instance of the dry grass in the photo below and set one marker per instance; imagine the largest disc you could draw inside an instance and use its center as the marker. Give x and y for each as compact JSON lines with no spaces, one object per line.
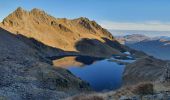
{"x":94,"y":96}
{"x":143,"y":89}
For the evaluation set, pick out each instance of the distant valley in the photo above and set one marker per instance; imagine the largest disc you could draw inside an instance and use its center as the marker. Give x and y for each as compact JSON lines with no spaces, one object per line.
{"x":158,"y":47}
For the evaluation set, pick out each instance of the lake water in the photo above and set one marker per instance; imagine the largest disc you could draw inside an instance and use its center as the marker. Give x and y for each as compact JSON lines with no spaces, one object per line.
{"x":101,"y":74}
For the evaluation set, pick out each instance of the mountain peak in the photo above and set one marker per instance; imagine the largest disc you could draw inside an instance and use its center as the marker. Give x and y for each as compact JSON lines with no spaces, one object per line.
{"x":37,"y":11}
{"x":83,"y":18}
{"x":19,"y":10}
{"x":12,"y":19}
{"x":20,"y":17}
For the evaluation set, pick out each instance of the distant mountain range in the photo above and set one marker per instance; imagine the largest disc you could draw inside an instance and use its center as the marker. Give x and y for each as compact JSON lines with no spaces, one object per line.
{"x":158,"y":47}
{"x":163,"y":37}
{"x":141,"y":32}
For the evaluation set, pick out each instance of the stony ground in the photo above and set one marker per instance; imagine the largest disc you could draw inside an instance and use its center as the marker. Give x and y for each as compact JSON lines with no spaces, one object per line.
{"x":142,"y":91}
{"x":25,"y":73}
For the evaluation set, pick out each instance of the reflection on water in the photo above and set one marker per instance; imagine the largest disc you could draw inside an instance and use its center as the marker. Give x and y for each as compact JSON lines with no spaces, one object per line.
{"x":101,"y":74}
{"x":66,"y":62}
{"x":75,"y":61}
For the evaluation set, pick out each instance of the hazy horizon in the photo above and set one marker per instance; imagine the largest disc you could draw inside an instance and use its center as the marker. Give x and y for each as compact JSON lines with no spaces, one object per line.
{"x":148,"y":33}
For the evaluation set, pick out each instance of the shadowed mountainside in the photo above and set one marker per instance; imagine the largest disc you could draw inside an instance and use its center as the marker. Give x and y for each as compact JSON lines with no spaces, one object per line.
{"x":94,"y":47}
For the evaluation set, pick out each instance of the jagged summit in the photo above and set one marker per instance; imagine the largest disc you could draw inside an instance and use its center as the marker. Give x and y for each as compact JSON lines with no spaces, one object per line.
{"x":36,"y":10}
{"x":54,"y":32}
{"x":83,"y":18}
{"x":19,"y":9}
{"x":18,"y":13}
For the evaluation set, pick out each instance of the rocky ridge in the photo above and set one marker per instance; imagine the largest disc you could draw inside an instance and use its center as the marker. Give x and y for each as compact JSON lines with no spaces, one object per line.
{"x":59,"y":33}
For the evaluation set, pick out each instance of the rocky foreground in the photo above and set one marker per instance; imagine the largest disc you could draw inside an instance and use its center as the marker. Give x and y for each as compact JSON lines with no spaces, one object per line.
{"x":26,"y":74}
{"x":143,"y":91}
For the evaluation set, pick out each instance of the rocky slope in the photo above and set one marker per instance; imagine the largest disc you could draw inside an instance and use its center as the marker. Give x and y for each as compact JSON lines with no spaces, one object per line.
{"x":61,"y":33}
{"x":26,"y":74}
{"x":146,"y":69}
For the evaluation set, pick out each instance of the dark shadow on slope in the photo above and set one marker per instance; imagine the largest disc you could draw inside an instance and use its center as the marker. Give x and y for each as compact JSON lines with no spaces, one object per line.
{"x":124,"y":48}
{"x":40,"y":47}
{"x":95,"y":48}
{"x":115,"y":44}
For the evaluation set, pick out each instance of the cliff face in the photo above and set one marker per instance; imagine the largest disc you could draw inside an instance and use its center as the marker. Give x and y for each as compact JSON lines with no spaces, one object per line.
{"x":55,"y":32}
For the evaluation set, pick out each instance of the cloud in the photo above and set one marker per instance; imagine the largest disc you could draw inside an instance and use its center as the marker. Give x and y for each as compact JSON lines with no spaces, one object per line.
{"x":148,"y":26}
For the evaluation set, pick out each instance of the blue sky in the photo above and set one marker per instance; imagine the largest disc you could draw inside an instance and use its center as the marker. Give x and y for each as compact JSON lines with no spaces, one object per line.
{"x":111,"y":14}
